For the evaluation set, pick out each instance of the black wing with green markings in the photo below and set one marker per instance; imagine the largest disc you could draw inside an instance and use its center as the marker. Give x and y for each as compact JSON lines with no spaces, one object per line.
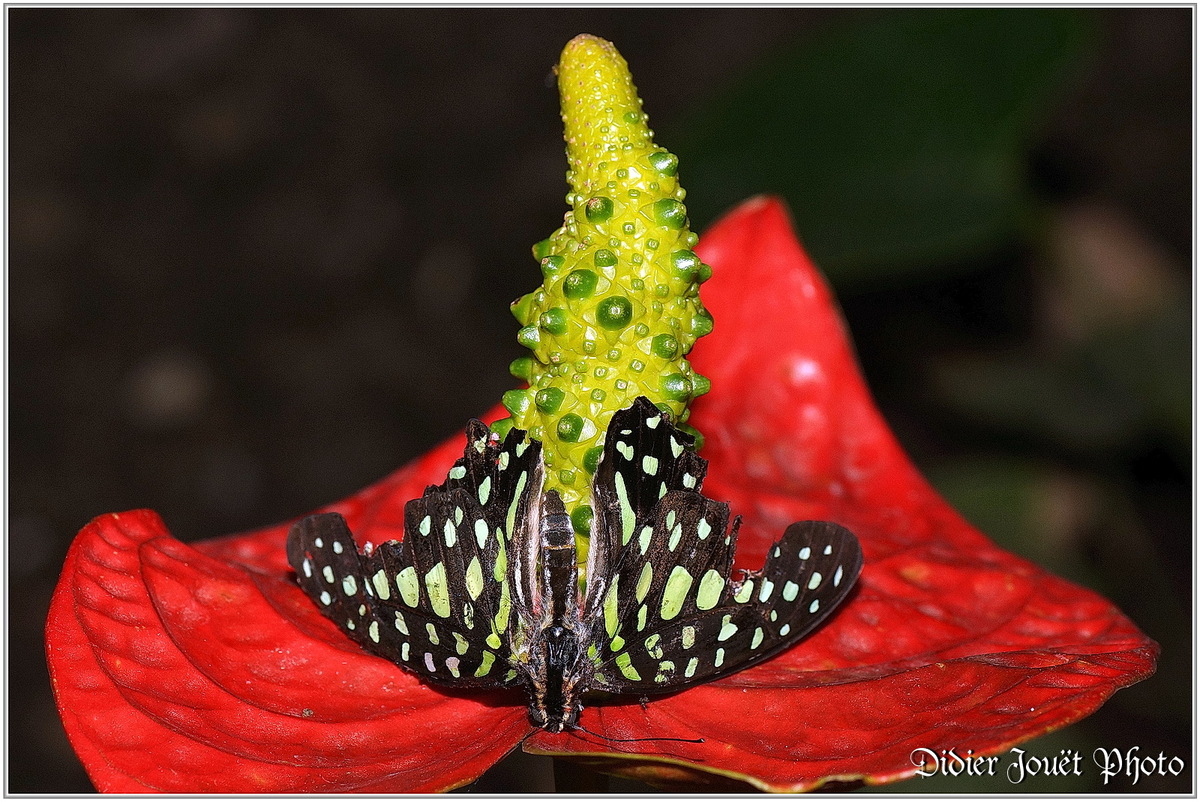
{"x":664,"y":612}
{"x":443,"y":602}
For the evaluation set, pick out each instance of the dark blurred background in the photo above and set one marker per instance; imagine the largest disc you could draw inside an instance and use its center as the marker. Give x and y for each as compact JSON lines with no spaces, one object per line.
{"x":260,"y":258}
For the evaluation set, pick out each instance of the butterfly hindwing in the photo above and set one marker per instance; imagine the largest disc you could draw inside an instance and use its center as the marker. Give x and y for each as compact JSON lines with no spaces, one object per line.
{"x":440,"y":602}
{"x":807,"y":574}
{"x":658,"y":541}
{"x":664,"y":611}
{"x":644,"y":458}
{"x":674,"y":569}
{"x":322,"y":552}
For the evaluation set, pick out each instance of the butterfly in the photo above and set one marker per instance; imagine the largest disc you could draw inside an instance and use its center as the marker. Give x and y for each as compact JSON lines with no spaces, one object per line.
{"x":484,"y":592}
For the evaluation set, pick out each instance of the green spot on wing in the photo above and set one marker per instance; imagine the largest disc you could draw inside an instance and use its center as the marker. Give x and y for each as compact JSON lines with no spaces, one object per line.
{"x":486,"y":664}
{"x":406,"y":583}
{"x":676,"y":536}
{"x":625,"y":666}
{"x":503,"y":609}
{"x":439,"y":591}
{"x":711,"y":586}
{"x":610,"y":609}
{"x":500,"y":568}
{"x":644,"y":538}
{"x":382,"y":588}
{"x":627,"y":515}
{"x":675,"y":592}
{"x":744,"y":592}
{"x":644,"y":580}
{"x":474,"y":578}
{"x":511,"y":520}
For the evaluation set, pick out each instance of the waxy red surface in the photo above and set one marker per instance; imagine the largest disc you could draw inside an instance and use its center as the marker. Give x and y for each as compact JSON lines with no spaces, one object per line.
{"x":203,"y":668}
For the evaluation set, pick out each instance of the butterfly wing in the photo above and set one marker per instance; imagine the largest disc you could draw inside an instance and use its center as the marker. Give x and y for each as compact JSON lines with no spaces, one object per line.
{"x":725,"y":626}
{"x":644,"y":458}
{"x":441,"y":601}
{"x":666,"y":615}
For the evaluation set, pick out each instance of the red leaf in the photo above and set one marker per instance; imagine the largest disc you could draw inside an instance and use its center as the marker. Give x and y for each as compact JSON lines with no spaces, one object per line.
{"x":205,"y":669}
{"x":949,"y":641}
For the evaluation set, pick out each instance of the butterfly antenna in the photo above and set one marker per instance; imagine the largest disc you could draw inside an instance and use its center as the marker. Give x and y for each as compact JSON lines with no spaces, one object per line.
{"x":635,"y":740}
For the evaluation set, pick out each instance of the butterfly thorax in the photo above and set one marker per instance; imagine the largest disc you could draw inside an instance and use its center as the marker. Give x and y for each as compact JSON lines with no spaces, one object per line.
{"x":555,"y":697}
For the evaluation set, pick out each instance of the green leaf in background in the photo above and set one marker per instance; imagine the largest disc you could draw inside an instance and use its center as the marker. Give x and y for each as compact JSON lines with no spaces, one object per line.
{"x":898,"y":142}
{"x":1122,"y":386}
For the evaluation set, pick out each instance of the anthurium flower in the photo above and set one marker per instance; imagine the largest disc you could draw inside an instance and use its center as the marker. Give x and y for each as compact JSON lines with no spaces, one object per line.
{"x":203,"y":668}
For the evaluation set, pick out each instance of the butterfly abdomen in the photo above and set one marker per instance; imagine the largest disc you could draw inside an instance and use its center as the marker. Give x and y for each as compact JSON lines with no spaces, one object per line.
{"x":559,"y":573}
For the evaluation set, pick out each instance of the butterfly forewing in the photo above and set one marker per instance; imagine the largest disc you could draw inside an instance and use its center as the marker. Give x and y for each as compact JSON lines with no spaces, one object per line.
{"x":644,"y":457}
{"x":673,"y":570}
{"x":440,"y":602}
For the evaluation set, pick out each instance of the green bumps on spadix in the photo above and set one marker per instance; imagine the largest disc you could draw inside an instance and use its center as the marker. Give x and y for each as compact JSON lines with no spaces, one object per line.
{"x":619,"y":305}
